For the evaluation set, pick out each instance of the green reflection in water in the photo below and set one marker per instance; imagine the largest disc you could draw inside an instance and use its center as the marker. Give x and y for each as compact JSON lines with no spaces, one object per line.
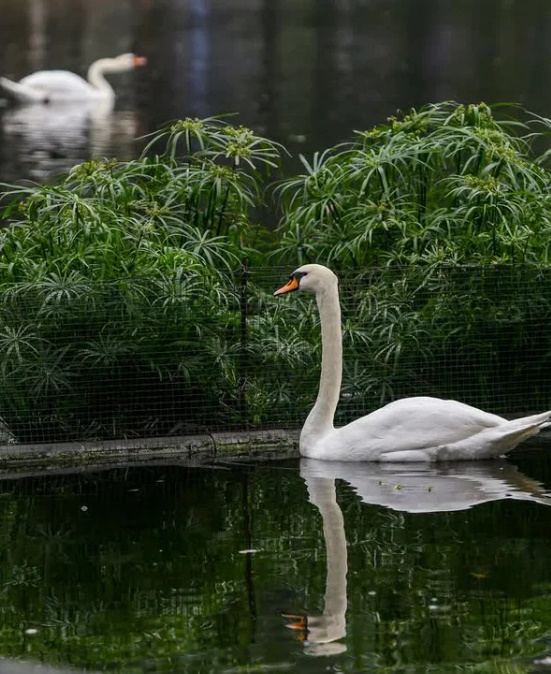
{"x":147,"y":569}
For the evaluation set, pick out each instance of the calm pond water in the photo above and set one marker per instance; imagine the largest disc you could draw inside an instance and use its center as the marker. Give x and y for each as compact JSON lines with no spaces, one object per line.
{"x":208,"y":569}
{"x":303,"y":72}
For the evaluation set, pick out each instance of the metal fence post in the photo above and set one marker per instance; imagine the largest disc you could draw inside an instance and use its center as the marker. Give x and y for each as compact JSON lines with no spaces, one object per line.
{"x":242,"y":385}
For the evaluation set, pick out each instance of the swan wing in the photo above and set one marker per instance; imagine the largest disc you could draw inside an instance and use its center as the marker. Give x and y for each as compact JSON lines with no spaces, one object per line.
{"x":58,"y":82}
{"x":417,"y":423}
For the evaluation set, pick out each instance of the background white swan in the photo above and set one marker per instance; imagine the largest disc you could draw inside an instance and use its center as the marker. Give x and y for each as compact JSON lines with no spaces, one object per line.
{"x":410,"y":429}
{"x":60,"y":86}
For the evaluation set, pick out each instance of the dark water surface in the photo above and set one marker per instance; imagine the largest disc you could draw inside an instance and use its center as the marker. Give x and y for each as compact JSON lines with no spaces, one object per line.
{"x":182,"y":569}
{"x":191,"y":569}
{"x":304,"y":72}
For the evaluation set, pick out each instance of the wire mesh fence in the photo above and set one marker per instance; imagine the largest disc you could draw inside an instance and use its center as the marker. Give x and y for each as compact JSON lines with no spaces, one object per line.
{"x":135,"y":358}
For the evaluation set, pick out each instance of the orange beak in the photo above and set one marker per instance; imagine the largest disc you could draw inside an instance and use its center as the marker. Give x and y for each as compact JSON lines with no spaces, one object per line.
{"x":289,"y":287}
{"x":301,"y":624}
{"x":140,"y":61}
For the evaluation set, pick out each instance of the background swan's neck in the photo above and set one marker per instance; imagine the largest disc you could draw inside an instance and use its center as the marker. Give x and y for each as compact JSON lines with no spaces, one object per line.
{"x":97,"y":80}
{"x":320,"y":419}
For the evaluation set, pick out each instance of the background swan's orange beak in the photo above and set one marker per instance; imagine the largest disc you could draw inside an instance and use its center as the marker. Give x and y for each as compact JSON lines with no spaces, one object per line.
{"x":140,"y":61}
{"x":289,"y":287}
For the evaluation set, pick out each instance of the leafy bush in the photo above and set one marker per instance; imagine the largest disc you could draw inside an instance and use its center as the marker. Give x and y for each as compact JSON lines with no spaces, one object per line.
{"x":127,"y":308}
{"x":119,"y":314}
{"x":439,"y":223}
{"x":446,"y":184}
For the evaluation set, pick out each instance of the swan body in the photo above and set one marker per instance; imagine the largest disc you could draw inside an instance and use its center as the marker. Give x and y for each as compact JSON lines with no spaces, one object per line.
{"x":61,"y":86}
{"x":406,"y":430}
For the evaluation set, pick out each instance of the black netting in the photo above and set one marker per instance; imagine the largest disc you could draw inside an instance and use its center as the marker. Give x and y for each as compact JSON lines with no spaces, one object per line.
{"x":133,"y":358}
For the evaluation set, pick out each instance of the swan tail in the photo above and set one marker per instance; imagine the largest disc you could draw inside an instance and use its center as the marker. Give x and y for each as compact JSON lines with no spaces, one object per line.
{"x":21,"y":93}
{"x":515,"y":433}
{"x":493,"y":441}
{"x":541,"y":420}
{"x":514,"y":438}
{"x":526,"y":427}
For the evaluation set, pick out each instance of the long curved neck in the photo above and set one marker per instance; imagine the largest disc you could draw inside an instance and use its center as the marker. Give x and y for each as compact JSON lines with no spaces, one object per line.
{"x":320,"y":419}
{"x":97,"y":80}
{"x":335,"y":543}
{"x":323,"y":494}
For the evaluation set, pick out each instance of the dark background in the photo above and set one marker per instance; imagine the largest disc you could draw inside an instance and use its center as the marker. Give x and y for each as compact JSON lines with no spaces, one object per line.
{"x":304,"y":72}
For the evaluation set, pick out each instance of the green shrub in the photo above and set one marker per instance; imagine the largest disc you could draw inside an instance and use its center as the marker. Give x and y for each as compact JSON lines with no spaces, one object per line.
{"x":127,"y":308}
{"x":446,"y":184}
{"x":439,"y":223}
{"x":119,"y":312}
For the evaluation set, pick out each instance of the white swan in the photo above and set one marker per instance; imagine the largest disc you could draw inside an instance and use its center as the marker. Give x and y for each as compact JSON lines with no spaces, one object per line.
{"x":62,"y":86}
{"x":410,"y":429}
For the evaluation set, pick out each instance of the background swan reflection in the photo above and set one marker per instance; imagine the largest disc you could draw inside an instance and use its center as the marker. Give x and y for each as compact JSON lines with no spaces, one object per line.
{"x":45,"y":141}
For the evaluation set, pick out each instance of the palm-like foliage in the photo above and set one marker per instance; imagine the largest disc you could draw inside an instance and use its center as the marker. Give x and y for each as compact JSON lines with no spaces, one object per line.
{"x":426,"y":217}
{"x":125,"y":310}
{"x":446,"y":184}
{"x":117,"y":290}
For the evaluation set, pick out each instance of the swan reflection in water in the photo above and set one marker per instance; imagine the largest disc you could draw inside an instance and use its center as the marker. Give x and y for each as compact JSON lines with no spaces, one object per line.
{"x":319,"y":634}
{"x":41,"y":140}
{"x":422,"y":488}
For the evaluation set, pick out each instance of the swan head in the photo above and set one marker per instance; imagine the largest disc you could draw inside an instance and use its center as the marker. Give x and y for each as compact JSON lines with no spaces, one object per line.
{"x":319,"y":634}
{"x":120,"y":63}
{"x":313,"y":278}
{"x":129,"y":61}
